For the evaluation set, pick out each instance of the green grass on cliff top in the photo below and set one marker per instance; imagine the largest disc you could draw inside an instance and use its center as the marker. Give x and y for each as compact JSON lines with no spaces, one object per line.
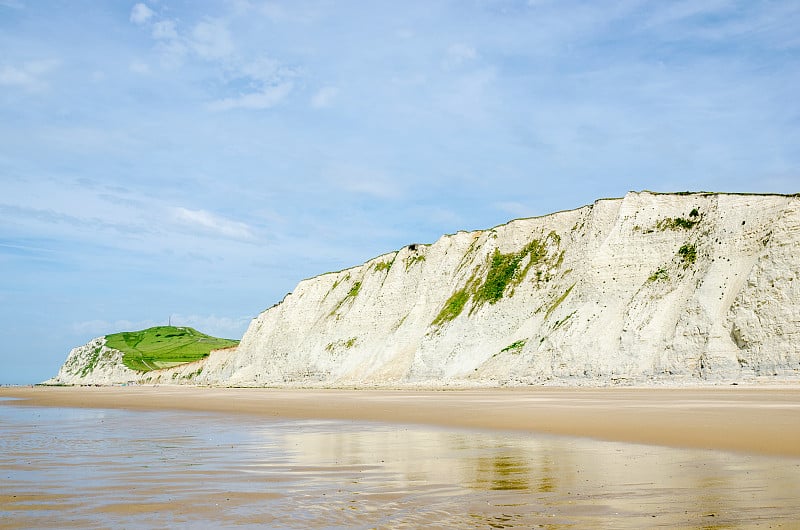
{"x":164,"y":346}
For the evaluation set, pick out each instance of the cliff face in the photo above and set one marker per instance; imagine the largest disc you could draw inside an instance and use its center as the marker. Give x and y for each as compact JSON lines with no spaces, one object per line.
{"x":93,"y":363}
{"x":649,"y":287}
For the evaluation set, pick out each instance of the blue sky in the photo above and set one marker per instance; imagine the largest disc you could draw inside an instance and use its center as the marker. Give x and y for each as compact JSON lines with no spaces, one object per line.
{"x":195,"y":160}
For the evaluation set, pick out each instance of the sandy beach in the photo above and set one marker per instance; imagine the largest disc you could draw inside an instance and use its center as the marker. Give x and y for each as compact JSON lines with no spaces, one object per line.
{"x":147,"y":457}
{"x":758,"y":420}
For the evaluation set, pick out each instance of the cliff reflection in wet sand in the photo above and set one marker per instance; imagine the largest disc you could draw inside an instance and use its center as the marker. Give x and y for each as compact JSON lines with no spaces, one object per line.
{"x":509,"y":480}
{"x":72,"y":467}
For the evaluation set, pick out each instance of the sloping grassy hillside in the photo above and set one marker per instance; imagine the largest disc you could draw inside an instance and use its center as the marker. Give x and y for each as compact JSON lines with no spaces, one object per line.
{"x":164,"y":346}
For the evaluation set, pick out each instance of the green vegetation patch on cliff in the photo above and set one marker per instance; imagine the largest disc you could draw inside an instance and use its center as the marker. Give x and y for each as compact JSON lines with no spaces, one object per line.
{"x":164,"y":346}
{"x":351,"y":295}
{"x":503,"y":273}
{"x":411,"y":260}
{"x":677,"y":223}
{"x":94,"y":358}
{"x":558,"y":301}
{"x":353,"y":292}
{"x":660,"y":274}
{"x":688,"y":253}
{"x":452,"y":308}
{"x":384,"y":265}
{"x":515,"y":347}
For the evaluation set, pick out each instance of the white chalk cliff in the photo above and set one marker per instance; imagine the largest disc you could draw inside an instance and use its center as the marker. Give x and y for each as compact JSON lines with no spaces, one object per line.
{"x":652,"y":287}
{"x":93,"y":363}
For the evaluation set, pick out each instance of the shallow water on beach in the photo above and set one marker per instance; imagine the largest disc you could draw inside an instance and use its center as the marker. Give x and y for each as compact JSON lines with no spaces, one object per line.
{"x":85,"y":468}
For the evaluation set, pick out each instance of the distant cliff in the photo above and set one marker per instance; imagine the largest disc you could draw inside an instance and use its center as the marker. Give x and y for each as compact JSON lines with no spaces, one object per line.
{"x":127,"y":356}
{"x":652,"y":287}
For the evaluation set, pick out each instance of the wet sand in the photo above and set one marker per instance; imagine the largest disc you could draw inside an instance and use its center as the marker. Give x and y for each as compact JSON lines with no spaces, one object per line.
{"x":139,"y":457}
{"x":757,"y":420}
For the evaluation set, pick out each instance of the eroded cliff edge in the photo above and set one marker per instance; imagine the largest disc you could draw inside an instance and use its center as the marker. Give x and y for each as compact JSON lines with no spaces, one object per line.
{"x":652,"y":287}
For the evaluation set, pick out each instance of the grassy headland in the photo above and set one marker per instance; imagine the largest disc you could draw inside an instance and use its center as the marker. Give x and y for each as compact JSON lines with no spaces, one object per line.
{"x":164,"y":346}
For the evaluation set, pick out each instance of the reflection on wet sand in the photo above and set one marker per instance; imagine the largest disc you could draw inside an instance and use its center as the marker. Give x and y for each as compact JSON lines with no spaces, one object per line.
{"x":517,"y":480}
{"x":89,"y":468}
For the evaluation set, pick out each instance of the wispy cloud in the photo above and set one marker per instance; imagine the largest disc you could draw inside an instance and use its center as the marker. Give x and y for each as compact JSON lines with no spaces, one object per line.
{"x":324,"y":97}
{"x":274,"y":11}
{"x":211,"y":223}
{"x":514,"y":208}
{"x":24,"y":249}
{"x":100,"y":328}
{"x":217,"y":326}
{"x":139,"y":67}
{"x":268,"y":83}
{"x":372,"y":184}
{"x":140,"y":14}
{"x":681,"y":11}
{"x":210,"y":39}
{"x":165,"y":30}
{"x":248,"y":83}
{"x":30,"y":76}
{"x":470,"y":95}
{"x":54,"y":218}
{"x":266,"y":98}
{"x":458,"y":54}
{"x":291,"y":12}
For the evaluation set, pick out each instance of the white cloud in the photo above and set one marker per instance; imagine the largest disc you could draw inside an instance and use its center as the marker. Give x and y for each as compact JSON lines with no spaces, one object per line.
{"x":365,"y":181}
{"x":100,"y":328}
{"x":471,"y":95}
{"x":11,"y":76}
{"x":40,"y":67}
{"x":212,"y":223}
{"x":324,"y":97}
{"x":262,"y":82}
{"x":262,"y":69}
{"x":28,"y":76}
{"x":140,"y":14}
{"x":173,"y":53}
{"x":458,"y":54}
{"x":211,"y":40}
{"x":139,"y":67}
{"x":517,"y":209}
{"x":165,"y":30}
{"x":225,"y":327}
{"x":171,"y":45}
{"x":273,"y":11}
{"x":292,"y":12}
{"x":264,"y":99}
{"x":680,"y":11}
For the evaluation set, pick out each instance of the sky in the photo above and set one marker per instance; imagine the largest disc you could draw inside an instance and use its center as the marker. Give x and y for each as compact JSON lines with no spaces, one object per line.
{"x":192,"y":161}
